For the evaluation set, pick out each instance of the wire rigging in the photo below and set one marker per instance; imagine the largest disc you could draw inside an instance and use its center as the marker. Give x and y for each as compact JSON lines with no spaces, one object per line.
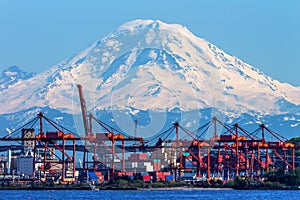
{"x":18,"y":129}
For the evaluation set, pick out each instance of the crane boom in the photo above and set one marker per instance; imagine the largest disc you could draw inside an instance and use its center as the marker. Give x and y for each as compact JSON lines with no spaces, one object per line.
{"x":83,"y":110}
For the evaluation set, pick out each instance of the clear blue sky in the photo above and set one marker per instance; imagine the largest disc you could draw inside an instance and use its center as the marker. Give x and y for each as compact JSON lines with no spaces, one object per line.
{"x":36,"y":35}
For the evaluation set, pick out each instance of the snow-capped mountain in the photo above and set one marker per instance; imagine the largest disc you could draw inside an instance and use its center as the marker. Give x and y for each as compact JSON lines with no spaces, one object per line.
{"x":12,"y":75}
{"x":150,"y":71}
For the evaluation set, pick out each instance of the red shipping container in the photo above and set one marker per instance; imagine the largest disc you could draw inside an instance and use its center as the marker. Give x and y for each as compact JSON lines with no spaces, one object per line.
{"x":146,"y":178}
{"x":101,"y":179}
{"x":159,"y":173}
{"x":160,"y":178}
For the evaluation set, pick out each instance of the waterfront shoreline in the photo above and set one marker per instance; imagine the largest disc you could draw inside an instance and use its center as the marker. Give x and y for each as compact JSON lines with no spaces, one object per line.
{"x":61,"y":187}
{"x":185,"y":188}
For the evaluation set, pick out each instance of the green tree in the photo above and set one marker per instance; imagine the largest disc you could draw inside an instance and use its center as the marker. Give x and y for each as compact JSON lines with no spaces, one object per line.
{"x":241,"y":183}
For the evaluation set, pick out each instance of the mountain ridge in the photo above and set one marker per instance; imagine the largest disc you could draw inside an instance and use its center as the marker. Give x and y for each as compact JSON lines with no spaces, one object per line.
{"x":150,"y":65}
{"x":12,"y":75}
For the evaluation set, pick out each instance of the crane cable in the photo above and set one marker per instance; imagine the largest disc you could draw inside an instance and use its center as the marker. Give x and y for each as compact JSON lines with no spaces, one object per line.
{"x":18,"y":129}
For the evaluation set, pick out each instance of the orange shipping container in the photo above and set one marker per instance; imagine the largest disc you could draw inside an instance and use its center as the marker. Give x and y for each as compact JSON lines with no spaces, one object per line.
{"x":166,"y":173}
{"x":98,"y":174}
{"x":129,"y":173}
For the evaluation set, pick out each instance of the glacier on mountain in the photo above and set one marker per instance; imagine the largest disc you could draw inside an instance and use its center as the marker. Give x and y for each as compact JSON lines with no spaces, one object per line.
{"x":148,"y":66}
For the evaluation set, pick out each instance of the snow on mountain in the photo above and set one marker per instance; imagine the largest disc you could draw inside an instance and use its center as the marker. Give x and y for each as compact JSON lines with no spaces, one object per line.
{"x":148,"y":65}
{"x":12,"y":75}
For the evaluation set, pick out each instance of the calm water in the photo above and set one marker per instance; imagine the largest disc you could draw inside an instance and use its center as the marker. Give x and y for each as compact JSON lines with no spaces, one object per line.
{"x":154,"y":194}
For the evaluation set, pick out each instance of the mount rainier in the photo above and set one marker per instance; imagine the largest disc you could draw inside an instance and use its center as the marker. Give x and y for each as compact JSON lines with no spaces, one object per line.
{"x":155,"y":73}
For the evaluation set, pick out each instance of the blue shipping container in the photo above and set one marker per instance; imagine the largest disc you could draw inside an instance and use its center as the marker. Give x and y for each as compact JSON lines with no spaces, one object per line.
{"x":169,"y":178}
{"x":92,"y":176}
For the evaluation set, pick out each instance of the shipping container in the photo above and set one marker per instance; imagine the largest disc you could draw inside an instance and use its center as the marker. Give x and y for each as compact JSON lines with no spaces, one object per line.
{"x":161,"y":178}
{"x":101,"y":179}
{"x":129,"y":173}
{"x":119,"y":174}
{"x":146,"y":178}
{"x":92,"y":176}
{"x":169,"y":178}
{"x":98,"y":173}
{"x":167,"y":173}
{"x":158,"y":173}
